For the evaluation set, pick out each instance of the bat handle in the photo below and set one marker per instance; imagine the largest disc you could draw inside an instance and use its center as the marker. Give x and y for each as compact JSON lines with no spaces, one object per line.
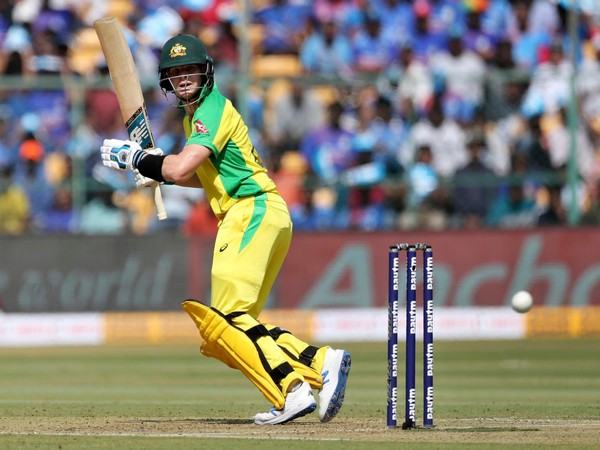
{"x":158,"y":202}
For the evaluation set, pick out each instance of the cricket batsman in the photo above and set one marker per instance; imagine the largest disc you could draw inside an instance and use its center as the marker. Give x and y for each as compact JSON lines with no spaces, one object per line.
{"x":253,"y":238}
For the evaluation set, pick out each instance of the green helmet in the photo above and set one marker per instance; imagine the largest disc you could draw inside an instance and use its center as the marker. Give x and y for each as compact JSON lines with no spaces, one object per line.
{"x":182,"y":50}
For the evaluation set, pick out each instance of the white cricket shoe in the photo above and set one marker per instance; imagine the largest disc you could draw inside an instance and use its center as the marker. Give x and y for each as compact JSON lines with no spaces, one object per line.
{"x":335,"y":376}
{"x":297,"y":404}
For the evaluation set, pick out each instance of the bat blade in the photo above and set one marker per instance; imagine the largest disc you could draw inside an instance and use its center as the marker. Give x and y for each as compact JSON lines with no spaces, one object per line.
{"x":128,"y":89}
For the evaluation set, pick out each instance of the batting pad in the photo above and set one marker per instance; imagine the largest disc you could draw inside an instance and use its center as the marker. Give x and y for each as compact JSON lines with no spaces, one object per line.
{"x":233,"y":347}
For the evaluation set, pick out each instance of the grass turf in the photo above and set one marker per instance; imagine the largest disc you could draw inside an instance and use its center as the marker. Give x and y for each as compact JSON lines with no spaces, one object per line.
{"x":488,"y":394}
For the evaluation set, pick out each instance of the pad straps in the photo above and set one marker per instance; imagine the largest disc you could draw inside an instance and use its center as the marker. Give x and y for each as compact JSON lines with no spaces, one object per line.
{"x":307,"y":354}
{"x":278,"y":373}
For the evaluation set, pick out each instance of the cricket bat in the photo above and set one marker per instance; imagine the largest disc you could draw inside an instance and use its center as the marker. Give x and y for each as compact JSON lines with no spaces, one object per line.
{"x":124,"y":76}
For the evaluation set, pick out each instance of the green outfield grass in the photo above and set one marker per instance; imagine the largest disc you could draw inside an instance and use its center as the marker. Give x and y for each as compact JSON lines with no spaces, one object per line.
{"x":488,"y":394}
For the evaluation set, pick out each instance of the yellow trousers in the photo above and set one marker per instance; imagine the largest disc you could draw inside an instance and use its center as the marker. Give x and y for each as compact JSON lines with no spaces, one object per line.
{"x":251,"y":245}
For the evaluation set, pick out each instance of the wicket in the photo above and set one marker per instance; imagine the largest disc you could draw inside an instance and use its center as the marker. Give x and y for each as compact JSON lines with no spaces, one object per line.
{"x":411,"y":334}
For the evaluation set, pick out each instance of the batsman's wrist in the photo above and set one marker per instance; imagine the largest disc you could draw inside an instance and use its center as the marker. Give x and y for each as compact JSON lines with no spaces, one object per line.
{"x":151,"y":166}
{"x":137,"y":157}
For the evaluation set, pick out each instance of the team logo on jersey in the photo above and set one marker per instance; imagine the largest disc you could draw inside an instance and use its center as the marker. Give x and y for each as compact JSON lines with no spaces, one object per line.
{"x":178,"y":50}
{"x":200,"y":128}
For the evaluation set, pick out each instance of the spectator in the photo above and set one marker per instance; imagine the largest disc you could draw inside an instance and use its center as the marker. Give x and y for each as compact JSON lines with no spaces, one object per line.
{"x":60,"y":217}
{"x":206,"y":12}
{"x":155,"y":27}
{"x":139,"y":208}
{"x":31,"y":175}
{"x":372,"y":53}
{"x":476,"y":39}
{"x":397,"y":19}
{"x":410,"y":84}
{"x":422,"y":178}
{"x":144,"y":54}
{"x":294,"y":114}
{"x":290,"y":177}
{"x":57,"y":18}
{"x":506,"y":84}
{"x":367,"y":208}
{"x":424,"y":40}
{"x":589,"y":89}
{"x":512,"y":209}
{"x":318,"y":210}
{"x":326,"y":51}
{"x":88,"y":11}
{"x":555,"y":213}
{"x":31,"y":149}
{"x":533,"y":145}
{"x":551,"y":80}
{"x":346,"y":14}
{"x":557,"y":135}
{"x":443,"y":135}
{"x":527,"y":42}
{"x":284,"y":23}
{"x":427,"y":205}
{"x":100,"y":216}
{"x":462,"y":73}
{"x":9,"y":143}
{"x":495,"y":18}
{"x":328,"y":150}
{"x":544,"y":17}
{"x":505,"y":89}
{"x":226,"y":47}
{"x":591,"y":215}
{"x":389,"y":130}
{"x":35,"y":185}
{"x":591,"y":125}
{"x":16,"y":51}
{"x":44,"y":111}
{"x":49,"y":54}
{"x":589,"y":70}
{"x":102,"y":109}
{"x":514,"y":205}
{"x":362,"y":121}
{"x":365,"y":198}
{"x":474,"y":186}
{"x":444,"y":15}
{"x":14,"y":206}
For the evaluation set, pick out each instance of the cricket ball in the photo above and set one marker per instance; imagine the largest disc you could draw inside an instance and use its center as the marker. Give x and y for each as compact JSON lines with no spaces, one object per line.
{"x":522,"y":301}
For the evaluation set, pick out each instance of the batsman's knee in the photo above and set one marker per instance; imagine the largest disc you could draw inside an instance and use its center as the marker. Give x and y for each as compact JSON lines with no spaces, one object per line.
{"x":242,"y":343}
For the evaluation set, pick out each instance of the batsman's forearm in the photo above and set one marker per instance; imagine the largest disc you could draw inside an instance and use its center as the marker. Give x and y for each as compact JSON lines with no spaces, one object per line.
{"x":181,"y":168}
{"x":192,"y":182}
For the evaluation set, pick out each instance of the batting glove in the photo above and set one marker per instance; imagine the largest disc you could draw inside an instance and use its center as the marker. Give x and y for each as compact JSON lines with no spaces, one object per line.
{"x":141,"y":180}
{"x":120,"y":154}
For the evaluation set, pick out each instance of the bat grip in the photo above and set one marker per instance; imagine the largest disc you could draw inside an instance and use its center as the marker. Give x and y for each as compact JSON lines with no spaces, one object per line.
{"x":158,"y":202}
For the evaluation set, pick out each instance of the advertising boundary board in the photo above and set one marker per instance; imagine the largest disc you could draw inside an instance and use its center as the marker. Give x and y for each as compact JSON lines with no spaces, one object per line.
{"x":560,"y":267}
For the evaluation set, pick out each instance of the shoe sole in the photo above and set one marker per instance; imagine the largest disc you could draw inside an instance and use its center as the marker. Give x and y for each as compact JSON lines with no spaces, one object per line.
{"x":301,"y":413}
{"x":337,"y":398}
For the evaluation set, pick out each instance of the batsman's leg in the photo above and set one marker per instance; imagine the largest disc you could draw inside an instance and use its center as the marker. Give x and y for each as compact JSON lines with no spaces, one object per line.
{"x":244,"y":344}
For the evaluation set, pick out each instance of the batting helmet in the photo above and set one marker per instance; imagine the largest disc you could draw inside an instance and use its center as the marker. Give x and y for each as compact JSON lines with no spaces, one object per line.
{"x":181,"y":50}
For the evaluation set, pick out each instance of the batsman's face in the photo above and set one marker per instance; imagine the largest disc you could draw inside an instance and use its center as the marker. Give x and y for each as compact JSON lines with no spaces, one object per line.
{"x":186,"y":80}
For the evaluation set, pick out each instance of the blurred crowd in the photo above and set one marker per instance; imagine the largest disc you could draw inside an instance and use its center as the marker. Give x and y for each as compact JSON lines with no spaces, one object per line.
{"x":370,"y":115}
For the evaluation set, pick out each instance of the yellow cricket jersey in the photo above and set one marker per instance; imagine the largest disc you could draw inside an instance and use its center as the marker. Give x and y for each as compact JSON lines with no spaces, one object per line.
{"x":234,"y":170}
